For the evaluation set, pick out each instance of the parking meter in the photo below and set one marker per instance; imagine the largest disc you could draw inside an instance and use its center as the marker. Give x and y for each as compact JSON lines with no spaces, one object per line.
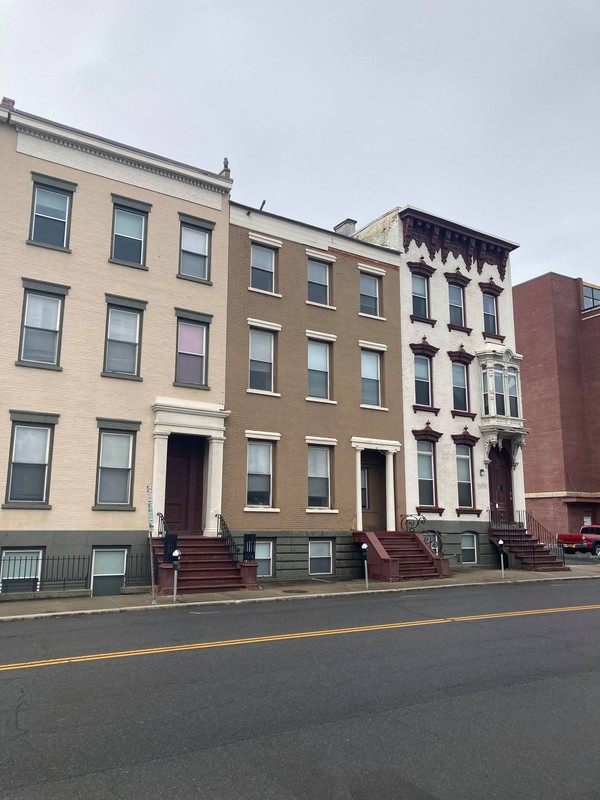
{"x":176,"y":562}
{"x":365,"y":553}
{"x":501,"y":551}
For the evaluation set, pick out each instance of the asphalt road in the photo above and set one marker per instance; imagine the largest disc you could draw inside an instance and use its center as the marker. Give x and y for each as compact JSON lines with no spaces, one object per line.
{"x":450,"y":693}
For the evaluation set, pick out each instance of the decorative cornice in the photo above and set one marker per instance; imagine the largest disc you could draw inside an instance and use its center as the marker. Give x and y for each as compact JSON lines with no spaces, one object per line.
{"x":465,"y":438}
{"x":447,"y":238}
{"x":461,"y":356}
{"x":489,"y":287}
{"x":427,"y":434}
{"x":457,"y":278}
{"x":421,"y":268}
{"x":423,"y":348}
{"x":98,"y":152}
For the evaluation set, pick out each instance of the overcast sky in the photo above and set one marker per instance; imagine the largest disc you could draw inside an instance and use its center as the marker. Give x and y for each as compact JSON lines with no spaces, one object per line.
{"x":483,"y":112}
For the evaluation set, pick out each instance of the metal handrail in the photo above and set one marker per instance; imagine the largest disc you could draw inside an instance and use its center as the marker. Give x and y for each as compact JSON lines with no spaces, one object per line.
{"x":163,"y":528}
{"x":224,"y":533}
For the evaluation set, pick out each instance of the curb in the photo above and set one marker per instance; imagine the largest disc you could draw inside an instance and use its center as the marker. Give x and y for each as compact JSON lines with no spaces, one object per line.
{"x":320,"y":596}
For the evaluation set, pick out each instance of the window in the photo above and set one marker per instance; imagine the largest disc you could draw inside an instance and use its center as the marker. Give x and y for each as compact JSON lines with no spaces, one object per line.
{"x":259,"y":487}
{"x":114,"y":485}
{"x":420,"y":304}
{"x":460,"y":396}
{"x":485,"y":392}
{"x":29,"y":469}
{"x":264,"y":557}
{"x":513,"y":392}
{"x":370,"y":378}
{"x":456,"y":302}
{"x":369,"y":294}
{"x":263,"y":268}
{"x":20,"y":570}
{"x":468,"y":548}
{"x":591,"y":296}
{"x":194,"y":259}
{"x":129,"y":231}
{"x":319,"y":558}
{"x":123,"y":336}
{"x":318,"y":369}
{"x":490,"y":322}
{"x":464,"y":474}
{"x":318,"y":282}
{"x":192,"y":346}
{"x":499,"y":390}
{"x":41,"y":324}
{"x":426,"y":472}
{"x":261,"y":360}
{"x":50,"y":219}
{"x":423,"y":381}
{"x":364,"y":488}
{"x":318,"y":477}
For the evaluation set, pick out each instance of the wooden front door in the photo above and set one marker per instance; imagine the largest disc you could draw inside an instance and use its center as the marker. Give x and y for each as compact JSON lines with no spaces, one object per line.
{"x":373,"y":490}
{"x":500,"y":478}
{"x":184,"y":486}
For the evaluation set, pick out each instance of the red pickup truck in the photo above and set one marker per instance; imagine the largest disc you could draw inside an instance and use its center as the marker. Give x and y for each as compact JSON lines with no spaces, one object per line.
{"x":586,"y":541}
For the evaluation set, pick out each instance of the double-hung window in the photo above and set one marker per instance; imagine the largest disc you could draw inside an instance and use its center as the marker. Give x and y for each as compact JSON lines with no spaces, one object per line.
{"x":319,"y":477}
{"x":262,"y":349}
{"x":318,"y":282}
{"x":51,"y":214}
{"x":423,"y":394}
{"x":259,"y":474}
{"x":464,"y":473}
{"x":369,"y":294}
{"x":505,"y":399}
{"x":123,"y":336}
{"x":116,"y":457}
{"x":194,"y":257}
{"x":191,"y":367}
{"x":41,"y":324}
{"x":457,"y":305}
{"x":420,"y":298}
{"x":263,"y":555}
{"x":513,"y":392}
{"x":319,"y":557}
{"x":370,"y":370}
{"x":29,"y":469}
{"x":499,"y":390}
{"x":130,"y":220}
{"x":426,"y":473}
{"x":490,"y":321}
{"x":468,"y":548}
{"x":460,"y":395}
{"x":318,"y":368}
{"x":263,"y":268}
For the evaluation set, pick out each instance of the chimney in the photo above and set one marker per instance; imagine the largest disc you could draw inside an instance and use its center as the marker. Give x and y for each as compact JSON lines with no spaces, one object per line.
{"x":346,"y":228}
{"x":8,"y":104}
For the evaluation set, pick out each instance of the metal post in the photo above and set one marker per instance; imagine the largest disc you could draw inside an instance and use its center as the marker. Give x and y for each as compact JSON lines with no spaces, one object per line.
{"x":501,"y":549}
{"x":365,"y":552}
{"x":176,"y":557}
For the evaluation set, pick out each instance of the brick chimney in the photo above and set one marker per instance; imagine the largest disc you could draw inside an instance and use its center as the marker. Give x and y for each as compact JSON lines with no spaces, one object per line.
{"x":346,"y":228}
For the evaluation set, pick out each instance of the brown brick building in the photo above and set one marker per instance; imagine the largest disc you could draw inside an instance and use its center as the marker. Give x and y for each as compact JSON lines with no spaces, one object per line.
{"x":314,"y":390}
{"x":557,"y":323}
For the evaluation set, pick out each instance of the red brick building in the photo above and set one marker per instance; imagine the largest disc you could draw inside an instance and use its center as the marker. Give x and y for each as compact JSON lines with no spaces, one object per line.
{"x":557,"y":325}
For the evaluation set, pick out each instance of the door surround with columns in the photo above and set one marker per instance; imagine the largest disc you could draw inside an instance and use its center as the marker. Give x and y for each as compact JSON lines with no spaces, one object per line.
{"x":389,"y":447}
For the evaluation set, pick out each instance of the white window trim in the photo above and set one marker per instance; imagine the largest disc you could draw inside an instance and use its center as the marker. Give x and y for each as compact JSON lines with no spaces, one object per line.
{"x":323,"y":337}
{"x":270,"y":559}
{"x":318,"y":255}
{"x":321,"y":400}
{"x":270,"y":435}
{"x":371,"y":270}
{"x":321,"y":440}
{"x":264,"y":291}
{"x":321,"y":305}
{"x":381,"y":348}
{"x":260,"y":238}
{"x":374,"y":408}
{"x":263,"y":324}
{"x":262,"y":509}
{"x":263,"y":392}
{"x":372,"y":316}
{"x":33,"y":551}
{"x":322,"y":511}
{"x":330,"y":541}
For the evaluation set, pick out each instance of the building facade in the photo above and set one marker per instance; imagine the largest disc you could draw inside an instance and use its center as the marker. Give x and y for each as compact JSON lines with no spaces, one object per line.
{"x":463,"y":423}
{"x":557,"y":321}
{"x":314,"y":390}
{"x":114,"y":287}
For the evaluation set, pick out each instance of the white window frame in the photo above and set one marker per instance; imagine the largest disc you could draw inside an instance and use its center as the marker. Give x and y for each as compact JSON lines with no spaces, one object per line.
{"x":327,"y":450}
{"x":465,"y":373}
{"x":489,"y":314}
{"x":423,"y":281}
{"x":267,"y":249}
{"x":48,"y":429}
{"x":111,"y":504}
{"x":364,"y":351}
{"x":138,"y":315}
{"x":39,"y":186}
{"x":321,"y":344}
{"x":271,"y":334}
{"x":205,"y":255}
{"x":269,"y":560}
{"x":21,"y":553}
{"x":263,"y":443}
{"x":464,"y":549}
{"x":117,"y":210}
{"x":429,"y":454}
{"x":451,"y":305}
{"x":56,"y":333}
{"x":423,"y":359}
{"x":311,"y":544}
{"x":204,"y":327}
{"x":464,"y":454}
{"x":326,"y":266}
{"x":376,"y":281}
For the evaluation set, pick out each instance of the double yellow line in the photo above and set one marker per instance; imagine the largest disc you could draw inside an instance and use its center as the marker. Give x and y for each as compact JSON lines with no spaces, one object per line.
{"x":285,"y":637}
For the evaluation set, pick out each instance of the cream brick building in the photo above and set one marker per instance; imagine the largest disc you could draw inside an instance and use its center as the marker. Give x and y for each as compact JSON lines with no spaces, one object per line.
{"x":114,"y":290}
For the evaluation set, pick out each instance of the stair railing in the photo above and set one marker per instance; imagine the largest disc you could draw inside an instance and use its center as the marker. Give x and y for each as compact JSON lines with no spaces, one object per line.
{"x":542,"y":534}
{"x":224,"y":533}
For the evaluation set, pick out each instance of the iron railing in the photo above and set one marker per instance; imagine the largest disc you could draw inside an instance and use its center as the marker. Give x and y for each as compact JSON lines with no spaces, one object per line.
{"x":434,"y":540}
{"x":526,"y":533}
{"x":34,"y":573}
{"x":224,"y":533}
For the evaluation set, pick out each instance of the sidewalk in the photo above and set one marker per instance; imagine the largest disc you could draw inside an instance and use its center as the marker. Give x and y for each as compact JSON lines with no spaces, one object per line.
{"x":74,"y":606}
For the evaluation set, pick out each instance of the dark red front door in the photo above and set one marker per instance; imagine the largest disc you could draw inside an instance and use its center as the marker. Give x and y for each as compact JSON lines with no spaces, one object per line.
{"x":500,"y":475}
{"x":184,"y":487}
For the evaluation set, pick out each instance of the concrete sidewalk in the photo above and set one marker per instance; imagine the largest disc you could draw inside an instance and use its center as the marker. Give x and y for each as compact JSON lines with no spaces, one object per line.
{"x":15,"y":609}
